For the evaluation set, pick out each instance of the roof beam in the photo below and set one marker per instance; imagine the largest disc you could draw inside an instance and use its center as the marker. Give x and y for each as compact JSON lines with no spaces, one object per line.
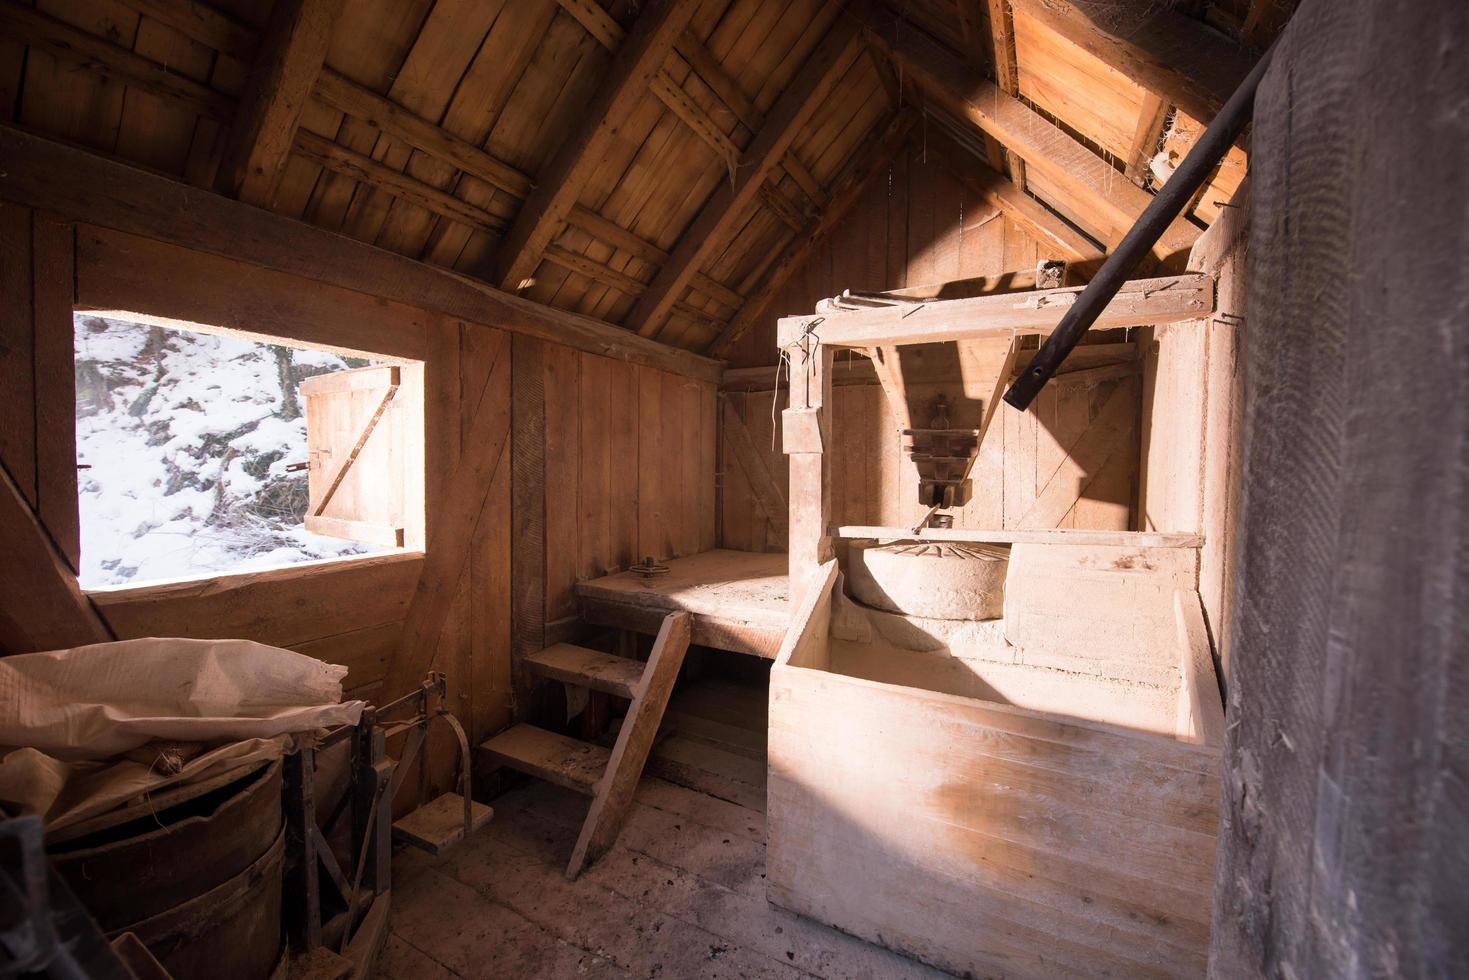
{"x":83,"y":186}
{"x":1007,"y":71}
{"x":1140,"y":302}
{"x":288,"y":60}
{"x":97,"y":54}
{"x":1169,"y":53}
{"x":638,"y":60}
{"x":729,"y":206}
{"x":869,"y":161}
{"x":1056,"y":238}
{"x":1043,"y":146}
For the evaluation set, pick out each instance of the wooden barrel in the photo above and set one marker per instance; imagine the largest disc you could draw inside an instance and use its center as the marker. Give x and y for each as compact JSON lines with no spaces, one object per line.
{"x":198,"y":879}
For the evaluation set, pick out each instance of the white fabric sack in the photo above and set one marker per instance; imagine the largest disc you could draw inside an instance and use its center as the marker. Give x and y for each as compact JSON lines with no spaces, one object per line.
{"x":97,"y":701}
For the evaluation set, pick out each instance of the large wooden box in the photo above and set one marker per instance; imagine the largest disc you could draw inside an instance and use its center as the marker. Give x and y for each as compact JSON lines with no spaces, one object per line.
{"x":931,"y":803}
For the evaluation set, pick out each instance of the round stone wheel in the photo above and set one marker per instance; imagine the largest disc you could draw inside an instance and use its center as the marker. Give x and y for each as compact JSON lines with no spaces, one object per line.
{"x":931,"y":579}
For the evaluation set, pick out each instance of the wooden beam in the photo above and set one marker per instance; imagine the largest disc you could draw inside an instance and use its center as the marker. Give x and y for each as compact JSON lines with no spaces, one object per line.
{"x":594,"y":270}
{"x":339,"y":159}
{"x":44,"y":609}
{"x":867,"y":163}
{"x":764,"y":489}
{"x":1050,"y":231}
{"x":1200,"y":709}
{"x":1121,"y":539}
{"x":1043,"y":146}
{"x":1167,"y":52}
{"x":82,"y":186}
{"x":682,"y":105}
{"x":1152,"y":117}
{"x":1140,"y":302}
{"x":1007,"y":71}
{"x":343,"y":94}
{"x":639,"y":58}
{"x":288,"y":60}
{"x":727,"y":208}
{"x":76,"y":46}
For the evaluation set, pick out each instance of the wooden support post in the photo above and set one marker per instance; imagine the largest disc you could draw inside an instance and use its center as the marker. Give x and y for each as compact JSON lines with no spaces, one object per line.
{"x":810,"y":493}
{"x":291,"y":54}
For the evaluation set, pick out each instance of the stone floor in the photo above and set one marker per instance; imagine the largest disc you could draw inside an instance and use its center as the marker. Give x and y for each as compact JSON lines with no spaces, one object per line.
{"x":681,"y":895}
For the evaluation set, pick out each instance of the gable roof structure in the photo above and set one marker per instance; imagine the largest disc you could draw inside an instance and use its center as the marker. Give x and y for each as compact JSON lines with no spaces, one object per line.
{"x":663,"y":165}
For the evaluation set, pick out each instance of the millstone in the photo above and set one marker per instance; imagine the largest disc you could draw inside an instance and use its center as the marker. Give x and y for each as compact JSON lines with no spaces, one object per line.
{"x":933,"y":579}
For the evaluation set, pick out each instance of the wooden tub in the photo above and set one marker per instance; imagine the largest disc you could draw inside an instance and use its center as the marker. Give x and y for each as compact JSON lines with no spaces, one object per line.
{"x":994,"y":816}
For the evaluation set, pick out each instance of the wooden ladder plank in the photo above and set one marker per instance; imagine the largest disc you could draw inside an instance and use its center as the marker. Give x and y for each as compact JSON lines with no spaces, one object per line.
{"x":555,"y":758}
{"x":615,"y":791}
{"x":599,"y":671}
{"x":439,"y":825}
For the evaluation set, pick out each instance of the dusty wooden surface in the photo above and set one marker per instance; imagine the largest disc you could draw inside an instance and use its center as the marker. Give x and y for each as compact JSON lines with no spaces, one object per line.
{"x":738,"y":599}
{"x":680,"y":894}
{"x":1343,"y":846}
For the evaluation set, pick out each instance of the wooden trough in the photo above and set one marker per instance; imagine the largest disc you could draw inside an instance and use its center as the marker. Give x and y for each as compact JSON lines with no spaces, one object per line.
{"x":999,"y":805}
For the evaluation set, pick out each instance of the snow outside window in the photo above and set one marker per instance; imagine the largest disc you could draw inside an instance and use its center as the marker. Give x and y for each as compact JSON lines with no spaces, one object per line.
{"x":194,"y":457}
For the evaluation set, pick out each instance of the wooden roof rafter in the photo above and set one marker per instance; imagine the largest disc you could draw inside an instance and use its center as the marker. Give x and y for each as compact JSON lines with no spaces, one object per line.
{"x":870,"y":160}
{"x":288,"y":60}
{"x":638,"y":60}
{"x":1043,"y":145}
{"x":716,"y":222}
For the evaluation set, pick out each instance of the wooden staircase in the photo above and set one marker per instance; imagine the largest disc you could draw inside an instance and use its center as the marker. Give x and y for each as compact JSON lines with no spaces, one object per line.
{"x":609,"y":777}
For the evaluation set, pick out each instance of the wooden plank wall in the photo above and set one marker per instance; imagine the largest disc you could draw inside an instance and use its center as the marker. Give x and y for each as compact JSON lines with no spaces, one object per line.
{"x":628,"y":456}
{"x":917,"y":226}
{"x":629,"y":469}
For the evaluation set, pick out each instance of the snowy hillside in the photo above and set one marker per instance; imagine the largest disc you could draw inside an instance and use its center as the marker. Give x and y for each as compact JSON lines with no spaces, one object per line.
{"x":187,"y":438}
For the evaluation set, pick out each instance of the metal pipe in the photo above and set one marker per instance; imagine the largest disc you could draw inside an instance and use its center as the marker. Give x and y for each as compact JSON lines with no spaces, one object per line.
{"x":1166,"y":205}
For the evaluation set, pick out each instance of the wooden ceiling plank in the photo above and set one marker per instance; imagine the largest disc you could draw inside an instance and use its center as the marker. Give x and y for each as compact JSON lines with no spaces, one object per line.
{"x":97,"y":54}
{"x":1168,"y":53}
{"x":199,"y":22}
{"x":638,"y":60}
{"x":83,"y":186}
{"x":342,"y":93}
{"x":722,"y":214}
{"x":1040,"y":143}
{"x":870,"y":160}
{"x":290,"y":57}
{"x":339,"y":159}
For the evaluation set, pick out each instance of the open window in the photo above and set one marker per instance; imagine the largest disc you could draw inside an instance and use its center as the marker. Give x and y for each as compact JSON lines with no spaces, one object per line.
{"x":360,"y":435}
{"x":203,"y":451}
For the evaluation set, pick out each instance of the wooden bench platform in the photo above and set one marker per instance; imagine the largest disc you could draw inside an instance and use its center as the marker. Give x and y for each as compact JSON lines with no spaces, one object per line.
{"x":738,"y":598}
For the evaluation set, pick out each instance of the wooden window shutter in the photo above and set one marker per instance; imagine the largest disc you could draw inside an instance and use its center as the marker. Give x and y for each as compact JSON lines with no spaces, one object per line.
{"x":364,"y":443}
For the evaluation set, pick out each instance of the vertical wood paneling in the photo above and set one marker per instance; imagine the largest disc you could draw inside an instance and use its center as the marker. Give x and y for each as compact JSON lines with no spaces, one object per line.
{"x":650,"y":475}
{"x":594,"y":492}
{"x":17,"y":348}
{"x":623,"y":457}
{"x":563,"y":459}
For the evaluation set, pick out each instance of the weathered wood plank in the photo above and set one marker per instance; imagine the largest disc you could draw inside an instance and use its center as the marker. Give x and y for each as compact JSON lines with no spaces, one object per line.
{"x":557,"y":187}
{"x":1170,"y":299}
{"x":288,"y":60}
{"x":82,"y":186}
{"x":634,"y":740}
{"x":44,"y":608}
{"x":710,"y":231}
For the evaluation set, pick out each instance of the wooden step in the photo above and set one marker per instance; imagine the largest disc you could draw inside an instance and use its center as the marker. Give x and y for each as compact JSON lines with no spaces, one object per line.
{"x":439,"y":825}
{"x":599,"y":671}
{"x":546,"y":755}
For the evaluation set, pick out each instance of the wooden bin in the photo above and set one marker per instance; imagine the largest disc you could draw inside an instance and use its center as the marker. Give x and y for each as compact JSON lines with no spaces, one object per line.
{"x":986,"y":838}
